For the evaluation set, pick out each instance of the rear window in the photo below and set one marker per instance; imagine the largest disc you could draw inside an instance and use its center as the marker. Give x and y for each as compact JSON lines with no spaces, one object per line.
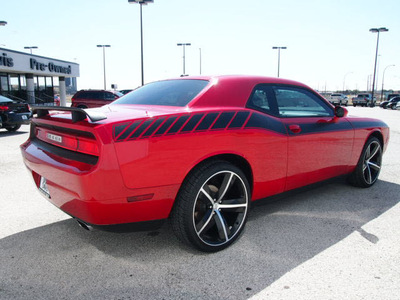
{"x":167,"y":93}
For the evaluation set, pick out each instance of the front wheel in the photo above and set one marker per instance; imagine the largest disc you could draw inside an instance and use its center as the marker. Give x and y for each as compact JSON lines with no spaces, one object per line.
{"x":369,"y":165}
{"x":211,"y":208}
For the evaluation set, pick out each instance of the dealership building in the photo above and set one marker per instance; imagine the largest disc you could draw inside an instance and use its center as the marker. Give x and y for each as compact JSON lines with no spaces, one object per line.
{"x":36,"y":79}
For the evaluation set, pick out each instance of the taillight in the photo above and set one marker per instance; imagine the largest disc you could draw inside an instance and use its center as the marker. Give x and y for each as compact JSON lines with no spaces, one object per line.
{"x":74,"y":143}
{"x":87,"y":146}
{"x":3,"y":108}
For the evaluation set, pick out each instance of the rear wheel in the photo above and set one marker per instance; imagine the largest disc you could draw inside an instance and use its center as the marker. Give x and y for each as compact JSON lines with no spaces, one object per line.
{"x":369,"y":165}
{"x":211,"y":208}
{"x":13,"y":128}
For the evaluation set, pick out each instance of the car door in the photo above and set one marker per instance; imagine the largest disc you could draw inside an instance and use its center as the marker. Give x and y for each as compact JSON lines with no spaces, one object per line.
{"x":319,"y":143}
{"x":269,"y":145}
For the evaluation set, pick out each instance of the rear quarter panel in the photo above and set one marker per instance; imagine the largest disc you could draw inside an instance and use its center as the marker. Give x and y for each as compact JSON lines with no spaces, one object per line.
{"x":166,"y":160}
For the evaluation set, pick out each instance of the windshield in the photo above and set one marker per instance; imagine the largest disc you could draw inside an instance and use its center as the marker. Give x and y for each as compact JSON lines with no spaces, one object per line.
{"x":168,"y":93}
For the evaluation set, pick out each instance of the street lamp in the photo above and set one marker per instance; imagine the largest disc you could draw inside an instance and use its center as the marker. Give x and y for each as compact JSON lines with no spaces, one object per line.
{"x":104,"y":62}
{"x":3,"y":23}
{"x":344,"y":80}
{"x":31,"y":47}
{"x":376,"y":30}
{"x":200,"y":60}
{"x":183,"y":45}
{"x":141,"y":2}
{"x":279,"y":56}
{"x":383,"y":79}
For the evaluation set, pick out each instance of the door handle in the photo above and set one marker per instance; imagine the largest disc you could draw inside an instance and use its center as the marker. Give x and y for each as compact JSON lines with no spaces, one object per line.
{"x":295,"y":128}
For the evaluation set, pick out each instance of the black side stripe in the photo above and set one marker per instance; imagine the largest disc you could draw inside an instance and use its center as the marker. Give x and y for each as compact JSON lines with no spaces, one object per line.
{"x":165,"y":126}
{"x":239,"y":120}
{"x":191,"y":124}
{"x":227,"y":120}
{"x":259,"y":121}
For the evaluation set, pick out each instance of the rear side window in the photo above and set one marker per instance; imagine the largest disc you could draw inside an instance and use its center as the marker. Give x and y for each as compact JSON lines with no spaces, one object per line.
{"x":167,"y":93}
{"x":262,"y":99}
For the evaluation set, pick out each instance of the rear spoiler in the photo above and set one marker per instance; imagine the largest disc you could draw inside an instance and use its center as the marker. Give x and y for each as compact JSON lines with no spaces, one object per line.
{"x":78,"y":114}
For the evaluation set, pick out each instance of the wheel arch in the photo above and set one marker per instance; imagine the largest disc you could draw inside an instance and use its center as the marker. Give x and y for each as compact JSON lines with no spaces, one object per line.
{"x":378,"y":135}
{"x":235,"y":159}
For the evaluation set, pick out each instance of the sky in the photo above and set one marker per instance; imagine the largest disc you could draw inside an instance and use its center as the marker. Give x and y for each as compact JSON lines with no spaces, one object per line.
{"x":328,"y":41}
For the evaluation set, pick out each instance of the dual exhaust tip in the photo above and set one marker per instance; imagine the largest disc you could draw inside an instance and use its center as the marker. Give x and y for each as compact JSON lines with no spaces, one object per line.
{"x":84,"y":225}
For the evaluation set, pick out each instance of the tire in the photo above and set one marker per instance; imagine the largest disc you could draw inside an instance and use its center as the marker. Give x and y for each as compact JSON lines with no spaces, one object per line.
{"x":13,"y":128}
{"x":354,"y":105}
{"x":211,"y":208}
{"x":369,"y":165}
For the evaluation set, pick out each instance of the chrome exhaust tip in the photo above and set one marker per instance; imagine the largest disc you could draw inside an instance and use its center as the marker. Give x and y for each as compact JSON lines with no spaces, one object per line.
{"x":84,"y":225}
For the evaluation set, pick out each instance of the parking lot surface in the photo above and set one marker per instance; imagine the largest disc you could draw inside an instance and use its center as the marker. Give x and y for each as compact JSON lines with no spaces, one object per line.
{"x":333,"y":241}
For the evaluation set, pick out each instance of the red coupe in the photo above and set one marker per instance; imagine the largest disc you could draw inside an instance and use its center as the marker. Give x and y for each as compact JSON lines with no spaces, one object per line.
{"x":197,"y":151}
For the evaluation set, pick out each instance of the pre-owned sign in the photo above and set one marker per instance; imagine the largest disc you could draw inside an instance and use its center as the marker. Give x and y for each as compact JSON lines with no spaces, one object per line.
{"x":23,"y":63}
{"x":35,"y":65}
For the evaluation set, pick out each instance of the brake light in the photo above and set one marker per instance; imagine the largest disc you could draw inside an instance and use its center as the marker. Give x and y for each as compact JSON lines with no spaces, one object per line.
{"x":3,"y":108}
{"x":87,"y":146}
{"x":73,"y":143}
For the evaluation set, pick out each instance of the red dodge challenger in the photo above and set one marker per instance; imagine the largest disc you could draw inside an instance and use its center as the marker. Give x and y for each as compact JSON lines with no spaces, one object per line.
{"x":197,"y":151}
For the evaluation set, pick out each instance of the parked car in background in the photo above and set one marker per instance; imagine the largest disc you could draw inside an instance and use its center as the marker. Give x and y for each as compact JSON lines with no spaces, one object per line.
{"x":388,"y":103}
{"x":338,"y":99}
{"x":393,"y":102}
{"x":13,"y":114}
{"x":390,"y":96}
{"x":196,"y":151}
{"x":93,"y":98}
{"x":125,"y":91}
{"x":364,"y":100}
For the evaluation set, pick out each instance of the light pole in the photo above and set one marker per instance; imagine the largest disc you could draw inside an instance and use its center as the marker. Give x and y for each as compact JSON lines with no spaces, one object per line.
{"x":279,"y":56}
{"x":141,"y":2}
{"x":200,"y":60}
{"x":31,"y":47}
{"x":344,"y":80}
{"x":383,"y":79}
{"x":183,"y":45}
{"x":104,"y":62}
{"x":376,"y":30}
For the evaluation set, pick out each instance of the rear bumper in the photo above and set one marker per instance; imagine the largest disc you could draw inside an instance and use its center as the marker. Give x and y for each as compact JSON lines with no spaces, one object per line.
{"x":16,"y":119}
{"x":96,"y":193}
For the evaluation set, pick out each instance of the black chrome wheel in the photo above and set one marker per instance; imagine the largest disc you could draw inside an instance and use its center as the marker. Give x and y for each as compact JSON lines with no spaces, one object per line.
{"x":369,"y":165}
{"x":372,"y":162}
{"x":212,"y":207}
{"x":220,"y":208}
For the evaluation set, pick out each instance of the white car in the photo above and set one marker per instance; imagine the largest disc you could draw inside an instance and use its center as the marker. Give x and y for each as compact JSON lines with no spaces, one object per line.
{"x":338,"y":99}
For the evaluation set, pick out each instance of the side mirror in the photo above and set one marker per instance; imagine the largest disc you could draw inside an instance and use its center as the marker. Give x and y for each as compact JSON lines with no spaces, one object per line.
{"x":340,"y":112}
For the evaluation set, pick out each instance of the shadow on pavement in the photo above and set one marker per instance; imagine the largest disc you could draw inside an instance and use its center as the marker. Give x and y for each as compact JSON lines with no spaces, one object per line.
{"x":5,"y":133}
{"x":62,"y":261}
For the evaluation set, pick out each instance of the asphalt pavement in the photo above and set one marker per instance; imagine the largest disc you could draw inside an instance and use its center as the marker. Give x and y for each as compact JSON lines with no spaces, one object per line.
{"x":333,"y":241}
